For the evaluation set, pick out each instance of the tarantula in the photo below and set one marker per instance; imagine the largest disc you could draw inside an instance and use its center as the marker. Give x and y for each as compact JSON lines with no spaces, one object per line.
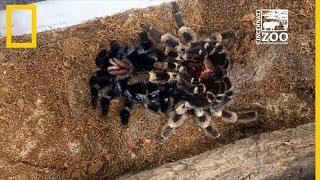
{"x":199,"y":67}
{"x":116,"y":65}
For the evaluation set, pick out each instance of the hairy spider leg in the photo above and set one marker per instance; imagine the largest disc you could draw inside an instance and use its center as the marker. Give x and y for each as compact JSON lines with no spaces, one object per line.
{"x":204,"y":121}
{"x":154,"y":106}
{"x":99,"y":80}
{"x":176,"y":120}
{"x":232,"y":117}
{"x":166,"y":94}
{"x":156,"y":97}
{"x":168,"y":72}
{"x":94,"y":90}
{"x":125,"y":112}
{"x":154,"y":77}
{"x":184,"y":81}
{"x":153,"y":32}
{"x":145,"y":42}
{"x":177,"y":15}
{"x":170,"y":41}
{"x":187,"y":34}
{"x":168,"y":65}
{"x":107,"y":96}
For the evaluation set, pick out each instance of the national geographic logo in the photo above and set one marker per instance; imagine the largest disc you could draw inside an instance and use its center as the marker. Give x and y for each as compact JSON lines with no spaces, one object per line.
{"x":29,"y":7}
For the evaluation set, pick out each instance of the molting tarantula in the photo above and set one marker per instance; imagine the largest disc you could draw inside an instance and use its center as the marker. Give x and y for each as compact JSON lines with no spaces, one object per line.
{"x":116,"y":65}
{"x":198,"y":67}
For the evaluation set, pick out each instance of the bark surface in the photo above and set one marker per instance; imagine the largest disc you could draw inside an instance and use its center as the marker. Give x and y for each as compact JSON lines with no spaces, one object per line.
{"x":282,"y":154}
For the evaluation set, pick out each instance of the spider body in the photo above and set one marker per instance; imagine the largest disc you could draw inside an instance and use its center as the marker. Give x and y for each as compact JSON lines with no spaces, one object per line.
{"x":199,"y":69}
{"x":110,"y":81}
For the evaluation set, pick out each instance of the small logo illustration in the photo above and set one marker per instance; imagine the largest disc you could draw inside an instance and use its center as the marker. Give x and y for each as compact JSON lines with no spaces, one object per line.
{"x":10,"y":9}
{"x":272,"y":26}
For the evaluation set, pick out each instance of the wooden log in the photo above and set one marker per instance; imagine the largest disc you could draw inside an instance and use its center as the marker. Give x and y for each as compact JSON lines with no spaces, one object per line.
{"x":282,"y":154}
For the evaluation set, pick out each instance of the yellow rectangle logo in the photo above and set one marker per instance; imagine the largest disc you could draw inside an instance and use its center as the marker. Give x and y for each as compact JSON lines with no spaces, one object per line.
{"x":33,"y":43}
